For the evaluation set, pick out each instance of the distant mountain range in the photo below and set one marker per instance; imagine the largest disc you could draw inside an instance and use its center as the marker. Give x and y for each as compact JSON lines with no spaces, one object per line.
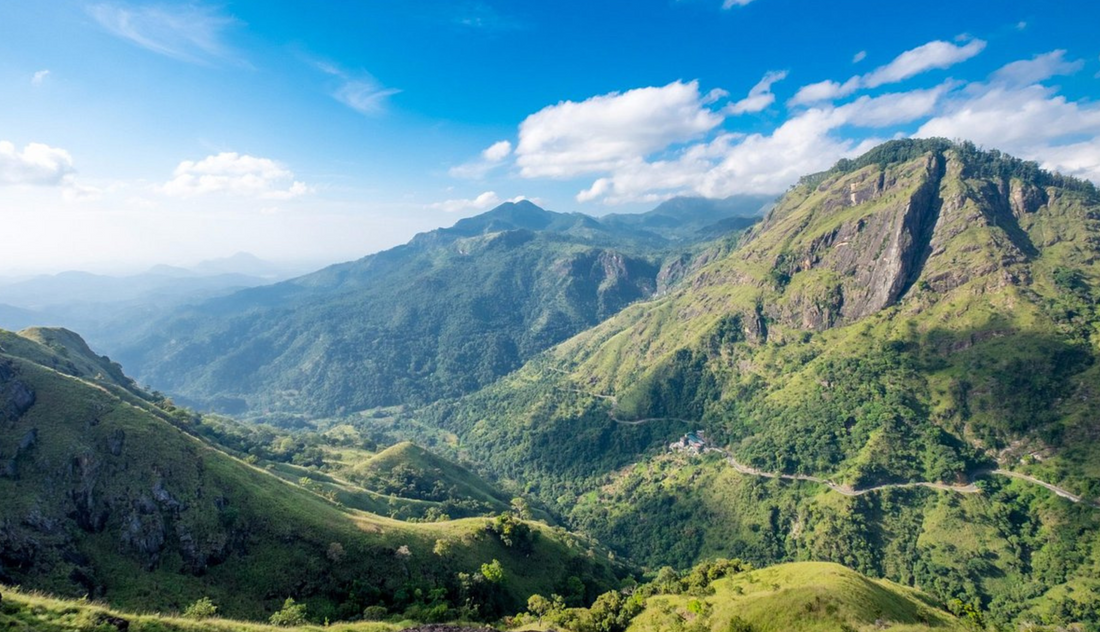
{"x":445,"y":314}
{"x":108,"y":309}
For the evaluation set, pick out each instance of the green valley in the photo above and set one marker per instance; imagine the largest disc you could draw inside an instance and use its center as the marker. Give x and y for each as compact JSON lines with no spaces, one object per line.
{"x":106,"y":497}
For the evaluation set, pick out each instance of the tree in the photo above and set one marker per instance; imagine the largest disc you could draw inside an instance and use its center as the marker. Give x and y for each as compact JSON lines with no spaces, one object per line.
{"x":201,"y":609}
{"x":335,"y":552}
{"x":493,"y":572}
{"x":521,"y":508}
{"x":539,"y":606}
{"x":292,"y":614}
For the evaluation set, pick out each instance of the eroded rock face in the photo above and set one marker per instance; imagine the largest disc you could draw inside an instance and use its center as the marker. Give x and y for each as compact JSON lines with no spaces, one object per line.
{"x":872,"y":259}
{"x":860,"y":261}
{"x":16,"y":396}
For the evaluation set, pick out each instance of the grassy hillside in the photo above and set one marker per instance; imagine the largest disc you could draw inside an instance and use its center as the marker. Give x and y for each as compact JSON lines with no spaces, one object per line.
{"x":925,"y":313}
{"x":107,"y":499}
{"x":789,"y":597}
{"x":800,"y":597}
{"x":412,"y":472}
{"x":23,"y":611}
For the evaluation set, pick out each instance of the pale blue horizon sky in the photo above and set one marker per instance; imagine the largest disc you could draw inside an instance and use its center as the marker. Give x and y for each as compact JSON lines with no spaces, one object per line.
{"x":139,"y":133}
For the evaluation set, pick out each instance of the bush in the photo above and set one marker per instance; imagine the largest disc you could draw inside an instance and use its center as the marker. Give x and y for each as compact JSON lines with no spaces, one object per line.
{"x":292,"y":614}
{"x":375,"y":613}
{"x":201,"y":609}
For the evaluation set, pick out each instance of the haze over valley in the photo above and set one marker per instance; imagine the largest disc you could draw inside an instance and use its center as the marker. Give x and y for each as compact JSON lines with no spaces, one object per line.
{"x":700,"y":316}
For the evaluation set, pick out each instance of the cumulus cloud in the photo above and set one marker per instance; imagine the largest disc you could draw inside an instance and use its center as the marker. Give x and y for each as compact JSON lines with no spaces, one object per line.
{"x":39,"y":77}
{"x":762,"y":163}
{"x":1032,"y":122}
{"x":491,"y":157}
{"x":188,"y":32}
{"x":237,"y":174}
{"x":760,"y":96}
{"x":603,"y":132}
{"x":650,"y":144}
{"x":931,"y":56}
{"x":482,"y":202}
{"x":37,"y":164}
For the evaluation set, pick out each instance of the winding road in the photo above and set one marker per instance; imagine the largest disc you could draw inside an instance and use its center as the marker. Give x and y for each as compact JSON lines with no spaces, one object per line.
{"x":846,"y":490}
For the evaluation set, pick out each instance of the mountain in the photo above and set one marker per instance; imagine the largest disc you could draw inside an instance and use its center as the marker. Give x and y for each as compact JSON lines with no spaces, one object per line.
{"x":111,"y":309}
{"x":247,"y":264}
{"x":695,"y":218}
{"x":111,"y":493}
{"x":443,"y":315}
{"x":19,"y":318}
{"x":896,"y":369}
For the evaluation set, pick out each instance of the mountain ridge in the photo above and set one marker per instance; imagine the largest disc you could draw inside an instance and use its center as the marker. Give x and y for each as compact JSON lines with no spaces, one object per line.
{"x":916,"y":315}
{"x":470,"y":303}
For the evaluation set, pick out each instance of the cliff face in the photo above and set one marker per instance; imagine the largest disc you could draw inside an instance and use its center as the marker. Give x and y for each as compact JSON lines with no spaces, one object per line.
{"x":863,"y":241}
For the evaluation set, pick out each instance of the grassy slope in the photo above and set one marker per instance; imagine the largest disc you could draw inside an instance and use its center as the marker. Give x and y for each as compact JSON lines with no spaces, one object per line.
{"x":789,"y":597}
{"x":26,"y":611}
{"x":807,"y":596}
{"x":426,"y":470}
{"x":161,"y":519}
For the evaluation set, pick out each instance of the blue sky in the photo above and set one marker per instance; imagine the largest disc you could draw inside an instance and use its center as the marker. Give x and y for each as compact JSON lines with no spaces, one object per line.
{"x":137,"y":133}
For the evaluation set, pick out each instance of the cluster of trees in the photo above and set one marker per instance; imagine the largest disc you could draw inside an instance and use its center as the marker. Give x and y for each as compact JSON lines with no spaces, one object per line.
{"x":983,"y":163}
{"x":614,"y":610}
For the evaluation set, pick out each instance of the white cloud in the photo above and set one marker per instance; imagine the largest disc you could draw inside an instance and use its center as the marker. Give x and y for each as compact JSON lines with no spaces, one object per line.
{"x":491,"y":157}
{"x":39,"y":77}
{"x":497,"y":151}
{"x":933,"y":55}
{"x":365,"y":97}
{"x":237,"y":174}
{"x":571,"y":139}
{"x":362,"y":92}
{"x":858,"y":57}
{"x":893,"y":108}
{"x":762,"y":163}
{"x":1038,"y":68}
{"x":930,"y":56}
{"x":188,"y":32}
{"x":600,"y":137}
{"x":484,"y":17}
{"x":37,"y":164}
{"x":729,"y":4}
{"x":1031,"y":122}
{"x":482,"y":202}
{"x":823,"y":91}
{"x":760,"y":96}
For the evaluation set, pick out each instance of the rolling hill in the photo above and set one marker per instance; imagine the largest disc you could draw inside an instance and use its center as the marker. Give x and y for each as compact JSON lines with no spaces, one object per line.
{"x":104,"y":496}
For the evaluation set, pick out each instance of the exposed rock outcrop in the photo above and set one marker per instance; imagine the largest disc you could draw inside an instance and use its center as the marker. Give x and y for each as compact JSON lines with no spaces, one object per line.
{"x":16,"y":396}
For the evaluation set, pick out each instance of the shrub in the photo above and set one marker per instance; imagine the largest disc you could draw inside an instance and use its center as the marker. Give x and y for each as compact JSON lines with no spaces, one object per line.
{"x":292,"y":614}
{"x":201,"y":609}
